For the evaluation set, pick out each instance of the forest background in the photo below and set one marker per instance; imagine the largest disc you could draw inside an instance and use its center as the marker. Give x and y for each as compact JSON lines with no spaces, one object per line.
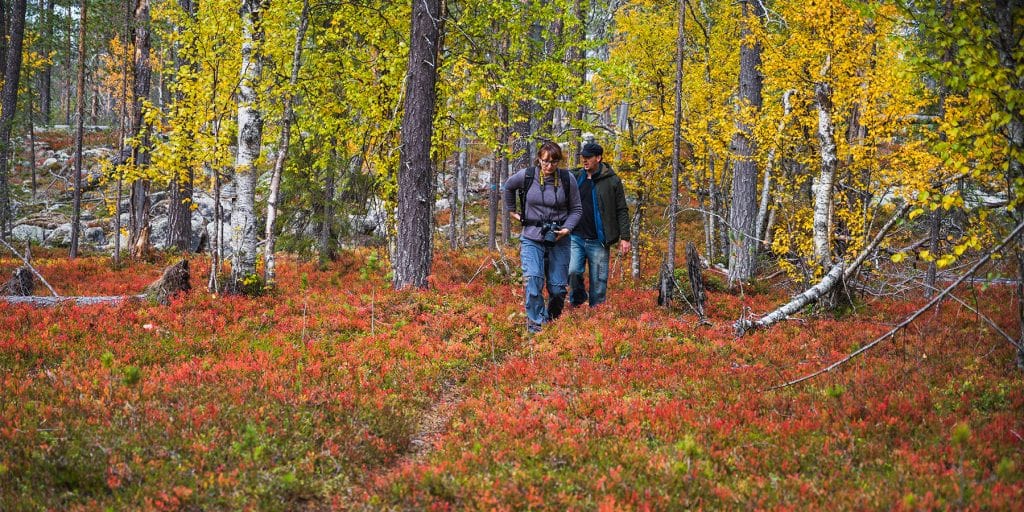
{"x":863,"y":155}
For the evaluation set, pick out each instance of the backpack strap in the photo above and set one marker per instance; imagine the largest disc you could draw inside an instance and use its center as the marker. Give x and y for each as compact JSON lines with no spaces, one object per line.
{"x":527,"y":183}
{"x":564,"y":175}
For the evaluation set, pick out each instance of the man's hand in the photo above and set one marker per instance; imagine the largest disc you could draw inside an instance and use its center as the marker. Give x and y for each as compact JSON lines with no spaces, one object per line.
{"x":562,"y":233}
{"x":624,"y":246}
{"x":515,"y":215}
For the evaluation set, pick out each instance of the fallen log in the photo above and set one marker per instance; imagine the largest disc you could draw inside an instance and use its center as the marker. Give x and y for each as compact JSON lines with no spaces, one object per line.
{"x":839,"y":272}
{"x":174,"y":280}
{"x":77,"y":301}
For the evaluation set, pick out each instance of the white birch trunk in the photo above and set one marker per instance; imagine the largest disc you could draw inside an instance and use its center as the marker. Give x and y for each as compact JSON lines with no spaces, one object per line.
{"x":250,"y":137}
{"x":824,"y":181}
{"x":269,"y":269}
{"x":766,"y":186}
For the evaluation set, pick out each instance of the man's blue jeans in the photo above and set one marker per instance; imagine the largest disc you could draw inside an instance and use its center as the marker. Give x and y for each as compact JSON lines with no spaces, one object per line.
{"x":540,"y":262}
{"x":594,"y":255}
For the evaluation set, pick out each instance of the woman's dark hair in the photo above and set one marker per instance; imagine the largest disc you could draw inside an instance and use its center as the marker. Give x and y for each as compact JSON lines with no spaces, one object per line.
{"x":552,"y":150}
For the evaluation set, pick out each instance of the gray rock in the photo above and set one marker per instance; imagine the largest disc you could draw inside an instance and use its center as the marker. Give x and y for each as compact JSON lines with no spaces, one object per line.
{"x":211,"y":233}
{"x":370,"y":224}
{"x":28,"y":232}
{"x":95,"y":237}
{"x":200,"y":239}
{"x":60,"y":237}
{"x":158,"y":237}
{"x":51,"y":164}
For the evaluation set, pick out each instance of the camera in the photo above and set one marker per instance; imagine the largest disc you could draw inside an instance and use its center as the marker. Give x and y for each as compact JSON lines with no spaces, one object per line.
{"x":549,"y":232}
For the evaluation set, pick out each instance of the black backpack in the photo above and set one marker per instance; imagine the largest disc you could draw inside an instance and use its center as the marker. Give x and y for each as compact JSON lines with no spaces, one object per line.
{"x":528,"y":182}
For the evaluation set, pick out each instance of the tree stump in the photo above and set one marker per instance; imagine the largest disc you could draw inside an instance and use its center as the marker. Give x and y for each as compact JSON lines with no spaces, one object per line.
{"x":142,"y":250}
{"x":175,"y":279}
{"x":693,"y":268}
{"x":22,"y":283}
{"x":666,"y":286}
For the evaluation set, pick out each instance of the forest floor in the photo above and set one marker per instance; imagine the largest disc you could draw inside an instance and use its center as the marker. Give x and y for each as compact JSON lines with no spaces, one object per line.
{"x":336,"y":392}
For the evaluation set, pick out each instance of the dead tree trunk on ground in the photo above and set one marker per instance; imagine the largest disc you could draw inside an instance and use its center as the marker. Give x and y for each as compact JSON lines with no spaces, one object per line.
{"x":175,"y":279}
{"x":839,"y":273}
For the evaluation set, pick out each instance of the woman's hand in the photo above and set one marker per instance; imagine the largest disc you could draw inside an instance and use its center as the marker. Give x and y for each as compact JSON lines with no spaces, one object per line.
{"x":516,"y":216}
{"x":562,"y":233}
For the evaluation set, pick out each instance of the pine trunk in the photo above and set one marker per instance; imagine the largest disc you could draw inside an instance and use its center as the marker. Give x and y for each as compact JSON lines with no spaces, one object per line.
{"x":414,"y":254}
{"x":8,"y":104}
{"x":743,"y":214}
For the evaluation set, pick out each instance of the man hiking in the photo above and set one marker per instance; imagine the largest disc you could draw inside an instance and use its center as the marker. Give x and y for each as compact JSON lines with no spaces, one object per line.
{"x":605,"y":221}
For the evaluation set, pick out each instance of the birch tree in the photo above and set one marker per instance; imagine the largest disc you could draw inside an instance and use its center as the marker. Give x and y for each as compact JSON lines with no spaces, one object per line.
{"x":250,"y":138}
{"x":269,"y":269}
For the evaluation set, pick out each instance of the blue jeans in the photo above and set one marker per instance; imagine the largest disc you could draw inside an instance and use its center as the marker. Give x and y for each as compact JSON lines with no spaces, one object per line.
{"x":595,"y":255}
{"x":544,"y":262}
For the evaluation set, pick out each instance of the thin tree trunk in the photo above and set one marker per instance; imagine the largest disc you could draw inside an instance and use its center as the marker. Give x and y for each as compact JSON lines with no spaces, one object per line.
{"x":637,"y":225}
{"x":463,"y":191}
{"x":76,"y":211}
{"x":693,"y":270}
{"x":500,"y":162}
{"x":326,"y":251}
{"x":217,"y":240}
{"x":668,"y":278}
{"x":458,"y":196}
{"x":269,"y":270}
{"x":46,"y":74}
{"x":121,"y":132}
{"x":139,"y":201}
{"x":8,"y":104}
{"x":414,"y":252}
{"x":766,"y":186}
{"x":67,"y":75}
{"x":32,"y":146}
